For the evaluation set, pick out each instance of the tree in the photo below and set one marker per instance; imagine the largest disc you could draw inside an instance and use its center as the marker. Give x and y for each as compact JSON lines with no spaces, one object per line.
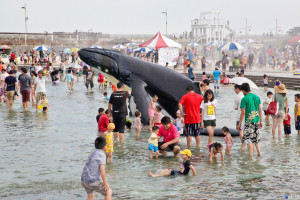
{"x":294,"y":31}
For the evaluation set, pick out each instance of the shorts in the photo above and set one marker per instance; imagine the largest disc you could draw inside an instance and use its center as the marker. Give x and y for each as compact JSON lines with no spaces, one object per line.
{"x":216,"y":84}
{"x":175,"y":172}
{"x":209,"y":123}
{"x":192,"y":130}
{"x":119,"y":123}
{"x":10,"y":95}
{"x":69,"y":84}
{"x":297,"y":123}
{"x":45,"y":108}
{"x":169,"y":148}
{"x":25,"y":95}
{"x":96,"y":186}
{"x":152,"y":147}
{"x":266,"y":85}
{"x":39,"y":95}
{"x":287,"y":129}
{"x":89,"y":82}
{"x":280,"y":115}
{"x":251,"y":133}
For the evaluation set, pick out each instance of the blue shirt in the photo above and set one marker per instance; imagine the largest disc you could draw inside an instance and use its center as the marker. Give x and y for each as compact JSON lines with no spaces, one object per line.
{"x":91,"y":170}
{"x":69,"y":77}
{"x":216,"y":74}
{"x":190,"y":71}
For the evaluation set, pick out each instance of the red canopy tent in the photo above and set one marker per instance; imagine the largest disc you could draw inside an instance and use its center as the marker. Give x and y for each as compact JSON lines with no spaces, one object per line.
{"x":160,"y":41}
{"x":294,"y":40}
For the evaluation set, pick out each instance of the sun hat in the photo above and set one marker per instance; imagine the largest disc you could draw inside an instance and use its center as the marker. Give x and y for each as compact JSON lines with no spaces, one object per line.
{"x":280,"y":88}
{"x":111,"y":126}
{"x":186,"y":152}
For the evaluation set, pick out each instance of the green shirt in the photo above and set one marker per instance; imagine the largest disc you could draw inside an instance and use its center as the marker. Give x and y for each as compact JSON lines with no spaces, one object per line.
{"x":236,"y":62}
{"x":251,"y":104}
{"x":281,"y":101}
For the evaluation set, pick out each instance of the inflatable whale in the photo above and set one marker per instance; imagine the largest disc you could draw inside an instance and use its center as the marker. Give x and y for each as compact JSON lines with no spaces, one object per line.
{"x":144,"y":78}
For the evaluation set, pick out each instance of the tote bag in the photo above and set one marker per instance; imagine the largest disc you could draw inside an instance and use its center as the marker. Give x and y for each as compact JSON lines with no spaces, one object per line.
{"x":273,"y":107}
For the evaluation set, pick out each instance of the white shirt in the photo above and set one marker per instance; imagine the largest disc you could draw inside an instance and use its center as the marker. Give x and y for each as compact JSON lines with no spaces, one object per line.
{"x":38,"y":68}
{"x":265,"y":105}
{"x":209,"y":110}
{"x":3,"y":76}
{"x":40,"y":85}
{"x":237,"y":103}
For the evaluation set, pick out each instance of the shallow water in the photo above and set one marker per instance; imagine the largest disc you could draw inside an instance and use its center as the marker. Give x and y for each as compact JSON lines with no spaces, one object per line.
{"x":42,"y":156}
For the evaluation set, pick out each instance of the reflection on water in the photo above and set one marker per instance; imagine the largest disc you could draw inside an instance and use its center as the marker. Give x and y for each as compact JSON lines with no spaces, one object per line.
{"x":42,"y":156}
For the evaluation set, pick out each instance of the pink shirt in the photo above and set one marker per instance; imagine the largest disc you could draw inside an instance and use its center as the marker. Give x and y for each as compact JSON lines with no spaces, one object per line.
{"x":168,"y":135}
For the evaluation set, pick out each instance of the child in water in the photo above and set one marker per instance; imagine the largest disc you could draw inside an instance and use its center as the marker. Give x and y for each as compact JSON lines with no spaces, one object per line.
{"x":137,"y":125}
{"x":185,"y":168}
{"x":157,"y":115}
{"x":106,"y":97}
{"x":266,"y":105}
{"x":179,"y":122}
{"x":109,"y":141}
{"x":151,"y":111}
{"x":287,"y":124}
{"x":214,"y":149}
{"x":44,"y":103}
{"x":228,"y":140}
{"x":153,"y":142}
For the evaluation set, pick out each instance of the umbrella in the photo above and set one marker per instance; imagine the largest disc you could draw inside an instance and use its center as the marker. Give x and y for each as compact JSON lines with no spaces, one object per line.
{"x":214,"y":43}
{"x":74,"y":65}
{"x":74,"y":49}
{"x":131,"y":44}
{"x":248,"y":41}
{"x":42,"y":48}
{"x":118,"y":46}
{"x":241,"y":80}
{"x":145,"y":49}
{"x":160,"y":41}
{"x":95,"y":47}
{"x":194,"y":44}
{"x":231,"y":46}
{"x":67,"y":50}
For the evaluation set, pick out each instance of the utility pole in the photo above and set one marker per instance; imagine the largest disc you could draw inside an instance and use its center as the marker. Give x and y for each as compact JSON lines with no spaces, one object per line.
{"x":26,"y":19}
{"x":246,"y":29}
{"x":166,"y":13}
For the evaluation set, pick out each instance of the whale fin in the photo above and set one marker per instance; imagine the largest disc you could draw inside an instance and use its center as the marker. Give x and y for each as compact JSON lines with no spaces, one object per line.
{"x":141,"y":98}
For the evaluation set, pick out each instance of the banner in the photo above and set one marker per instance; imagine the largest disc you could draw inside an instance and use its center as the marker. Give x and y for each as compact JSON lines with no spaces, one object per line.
{"x":168,"y":55}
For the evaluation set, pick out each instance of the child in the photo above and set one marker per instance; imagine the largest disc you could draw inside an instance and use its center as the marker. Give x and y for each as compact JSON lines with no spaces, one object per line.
{"x":101,"y":81}
{"x":179,"y":122}
{"x":151,"y":111}
{"x":109,"y":141}
{"x":214,"y":149}
{"x":157,"y":115}
{"x":70,"y":80}
{"x":100,"y":112}
{"x":137,"y":125}
{"x":228,"y":140}
{"x":106,"y":97}
{"x":203,"y":76}
{"x":266,"y":83}
{"x":153,"y":142}
{"x":184,"y":169}
{"x":44,"y":103}
{"x":266,"y":105}
{"x":297,"y":113}
{"x":226,"y":80}
{"x":287,"y":125}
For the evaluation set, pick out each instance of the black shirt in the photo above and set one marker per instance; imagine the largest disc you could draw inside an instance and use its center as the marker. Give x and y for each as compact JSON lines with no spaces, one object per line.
{"x":118,"y":101}
{"x":185,"y":167}
{"x":10,"y":82}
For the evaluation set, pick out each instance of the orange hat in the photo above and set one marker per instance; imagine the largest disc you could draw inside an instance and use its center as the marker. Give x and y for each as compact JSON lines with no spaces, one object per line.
{"x":111,"y":126}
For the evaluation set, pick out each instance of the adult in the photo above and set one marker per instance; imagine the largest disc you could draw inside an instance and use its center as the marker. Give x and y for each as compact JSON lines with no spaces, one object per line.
{"x":73,"y":57}
{"x":281,"y":98}
{"x":171,"y":137}
{"x":39,"y":88}
{"x":118,"y":107}
{"x":33,"y":76}
{"x":237,"y":104}
{"x":250,"y":61}
{"x":252,"y":113}
{"x":192,"y":75}
{"x":90,"y":79}
{"x":2,"y":88}
{"x":203,"y":61}
{"x":11,"y":85}
{"x":216,"y":75}
{"x":191,"y":102}
{"x":224,"y":61}
{"x":25,"y":88}
{"x":54,"y":75}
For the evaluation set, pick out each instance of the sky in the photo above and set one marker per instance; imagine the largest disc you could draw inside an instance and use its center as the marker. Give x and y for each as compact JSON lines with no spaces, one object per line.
{"x":144,"y":17}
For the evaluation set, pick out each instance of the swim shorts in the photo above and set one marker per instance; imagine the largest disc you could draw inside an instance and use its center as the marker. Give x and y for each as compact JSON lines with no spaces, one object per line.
{"x":251,"y":133}
{"x":119,"y":123}
{"x":169,"y":148}
{"x":152,"y":147}
{"x":297,"y":123}
{"x":209,"y":123}
{"x":96,"y":186}
{"x":89,"y":82}
{"x":192,"y":130}
{"x":287,"y":129}
{"x":175,"y":172}
{"x":25,"y":95}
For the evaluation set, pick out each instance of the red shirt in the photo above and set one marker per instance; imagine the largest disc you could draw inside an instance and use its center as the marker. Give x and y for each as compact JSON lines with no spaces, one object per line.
{"x":288,"y":121}
{"x":13,"y":56}
{"x":103,"y":123}
{"x":191,"y":103}
{"x":169,"y":134}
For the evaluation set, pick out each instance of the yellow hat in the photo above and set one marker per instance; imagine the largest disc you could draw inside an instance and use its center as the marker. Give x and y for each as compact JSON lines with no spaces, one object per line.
{"x":187,"y":152}
{"x":111,"y":126}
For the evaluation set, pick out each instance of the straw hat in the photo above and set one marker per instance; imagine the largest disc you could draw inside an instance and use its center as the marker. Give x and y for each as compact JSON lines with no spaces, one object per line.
{"x":280,"y":88}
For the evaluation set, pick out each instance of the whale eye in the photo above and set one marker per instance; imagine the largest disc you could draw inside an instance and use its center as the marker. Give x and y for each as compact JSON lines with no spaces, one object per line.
{"x":106,"y":70}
